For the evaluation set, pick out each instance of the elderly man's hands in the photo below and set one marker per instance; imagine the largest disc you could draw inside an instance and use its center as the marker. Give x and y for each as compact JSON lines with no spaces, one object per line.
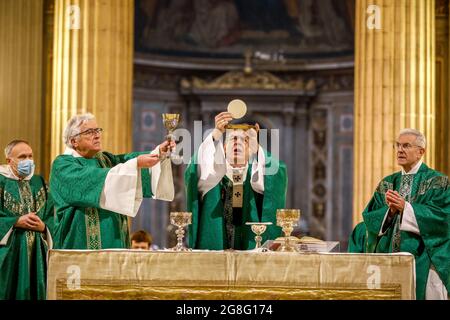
{"x":167,"y":147}
{"x":30,"y":221}
{"x":147,"y":160}
{"x":395,"y":202}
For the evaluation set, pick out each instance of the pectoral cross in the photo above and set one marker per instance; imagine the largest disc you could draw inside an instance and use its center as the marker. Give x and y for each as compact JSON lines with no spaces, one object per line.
{"x":237,"y":177}
{"x":238,"y":190}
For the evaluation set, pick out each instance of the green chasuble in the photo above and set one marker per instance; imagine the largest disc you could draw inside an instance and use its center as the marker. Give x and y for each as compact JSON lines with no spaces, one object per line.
{"x":357,"y":240}
{"x":23,"y":255}
{"x":76,"y":185}
{"x":428,"y":192}
{"x":209,"y":224}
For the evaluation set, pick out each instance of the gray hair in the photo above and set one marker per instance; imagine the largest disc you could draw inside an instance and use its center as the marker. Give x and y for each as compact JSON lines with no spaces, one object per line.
{"x":420,"y":138}
{"x":11,"y":146}
{"x":73,"y":127}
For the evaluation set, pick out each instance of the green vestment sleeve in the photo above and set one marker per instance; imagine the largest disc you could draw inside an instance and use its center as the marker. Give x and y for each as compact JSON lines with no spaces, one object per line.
{"x":75,"y":184}
{"x":7,"y":219}
{"x":47,"y":214}
{"x":433,"y":219}
{"x":145,"y":173}
{"x":356,"y":241}
{"x":374,"y":215}
{"x":192,"y":198}
{"x":275,"y":189}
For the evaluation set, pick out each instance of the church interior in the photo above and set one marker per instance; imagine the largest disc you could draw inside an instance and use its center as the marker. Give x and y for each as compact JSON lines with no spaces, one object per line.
{"x":336,"y":81}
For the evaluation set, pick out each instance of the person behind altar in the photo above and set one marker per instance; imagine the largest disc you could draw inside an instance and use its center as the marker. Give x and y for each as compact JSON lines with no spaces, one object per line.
{"x":230,"y":184}
{"x":26,"y":222}
{"x":142,"y":240}
{"x":410,"y":212}
{"x":95,"y":191}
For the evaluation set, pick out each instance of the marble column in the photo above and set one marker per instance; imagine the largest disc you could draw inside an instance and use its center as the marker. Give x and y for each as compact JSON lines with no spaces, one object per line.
{"x":92,"y":69}
{"x":442,"y":161}
{"x":21,"y":23}
{"x":394,"y":86}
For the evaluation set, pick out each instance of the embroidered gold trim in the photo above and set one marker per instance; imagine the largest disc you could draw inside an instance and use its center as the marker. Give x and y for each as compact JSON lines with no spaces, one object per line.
{"x":40,"y":199}
{"x":92,"y":219}
{"x":103,"y":160}
{"x":433,"y":183}
{"x":26,"y":196}
{"x":406,"y":186}
{"x":125,"y":232}
{"x":28,"y":205}
{"x":384,"y":186}
{"x":12,"y":205}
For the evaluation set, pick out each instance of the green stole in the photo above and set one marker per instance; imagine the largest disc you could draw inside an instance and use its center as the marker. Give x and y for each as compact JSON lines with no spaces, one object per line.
{"x":233,"y":217}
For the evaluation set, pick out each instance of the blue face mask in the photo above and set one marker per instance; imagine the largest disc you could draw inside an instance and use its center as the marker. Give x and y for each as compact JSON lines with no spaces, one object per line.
{"x":25,"y":167}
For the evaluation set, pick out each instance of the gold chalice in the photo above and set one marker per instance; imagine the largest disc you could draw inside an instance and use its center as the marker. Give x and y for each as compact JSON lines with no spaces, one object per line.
{"x":258,"y":228}
{"x":181,"y":220}
{"x":170,"y":121}
{"x":287,"y":219}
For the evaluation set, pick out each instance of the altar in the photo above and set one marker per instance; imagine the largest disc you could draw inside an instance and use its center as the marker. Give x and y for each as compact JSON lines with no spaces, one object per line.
{"x":227,"y":275}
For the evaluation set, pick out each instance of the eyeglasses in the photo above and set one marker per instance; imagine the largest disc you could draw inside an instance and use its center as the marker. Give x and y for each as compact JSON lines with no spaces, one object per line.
{"x":404,"y":146}
{"x":90,"y":132}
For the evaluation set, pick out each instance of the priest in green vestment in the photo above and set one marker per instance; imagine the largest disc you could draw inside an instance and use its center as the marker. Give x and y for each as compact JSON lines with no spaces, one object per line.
{"x":95,"y":191}
{"x":26,"y":220}
{"x":410,"y":212}
{"x":230,"y":184}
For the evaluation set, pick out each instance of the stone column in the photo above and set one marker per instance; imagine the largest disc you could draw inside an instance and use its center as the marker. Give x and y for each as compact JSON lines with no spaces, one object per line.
{"x":442,"y":161}
{"x":394,"y":86}
{"x":92,"y":69}
{"x":21,"y":23}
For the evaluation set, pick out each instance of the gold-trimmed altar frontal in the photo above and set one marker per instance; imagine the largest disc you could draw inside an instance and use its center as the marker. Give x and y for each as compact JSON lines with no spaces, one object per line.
{"x":138,"y":275}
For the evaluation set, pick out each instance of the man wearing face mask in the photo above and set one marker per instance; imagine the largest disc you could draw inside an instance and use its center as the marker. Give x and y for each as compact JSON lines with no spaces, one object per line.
{"x":26,"y":218}
{"x":228,"y":185}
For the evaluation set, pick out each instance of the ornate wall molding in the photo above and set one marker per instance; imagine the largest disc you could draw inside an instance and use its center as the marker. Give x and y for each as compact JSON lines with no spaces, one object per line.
{"x":261,"y":80}
{"x":156,"y":80}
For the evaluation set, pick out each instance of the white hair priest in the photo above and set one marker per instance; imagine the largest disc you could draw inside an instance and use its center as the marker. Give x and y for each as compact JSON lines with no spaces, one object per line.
{"x":95,"y":191}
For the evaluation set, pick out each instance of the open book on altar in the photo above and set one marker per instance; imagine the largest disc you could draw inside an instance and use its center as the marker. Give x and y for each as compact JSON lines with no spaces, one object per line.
{"x":304,"y":244}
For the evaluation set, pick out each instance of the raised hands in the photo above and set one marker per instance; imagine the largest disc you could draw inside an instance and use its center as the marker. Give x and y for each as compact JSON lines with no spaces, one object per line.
{"x":395,"y":202}
{"x":221,"y":120}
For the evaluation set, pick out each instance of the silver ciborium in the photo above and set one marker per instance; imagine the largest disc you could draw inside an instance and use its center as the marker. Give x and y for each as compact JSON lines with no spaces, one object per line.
{"x":287,"y":219}
{"x":181,"y":220}
{"x":258,"y":229}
